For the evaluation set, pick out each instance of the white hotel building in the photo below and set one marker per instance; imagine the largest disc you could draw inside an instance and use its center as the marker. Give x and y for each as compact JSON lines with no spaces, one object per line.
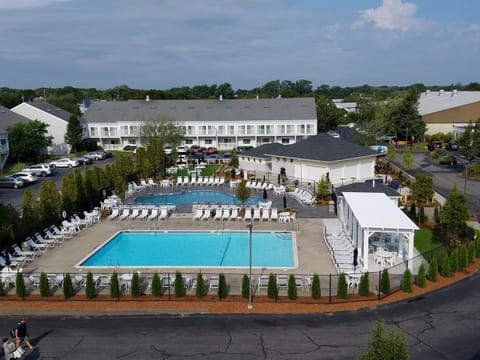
{"x":225,"y":124}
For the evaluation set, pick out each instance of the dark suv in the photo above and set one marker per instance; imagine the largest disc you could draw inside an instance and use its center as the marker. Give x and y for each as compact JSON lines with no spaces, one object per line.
{"x":452,"y":146}
{"x":433,"y":145}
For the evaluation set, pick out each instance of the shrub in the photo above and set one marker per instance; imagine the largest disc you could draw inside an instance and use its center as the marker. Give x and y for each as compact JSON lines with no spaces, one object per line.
{"x":2,"y":288}
{"x":272,"y":287}
{"x":114,"y":286}
{"x":407,"y":281}
{"x":433,"y":269}
{"x":135,"y":287}
{"x":413,"y":211}
{"x":200,"y":291}
{"x":222,"y":287}
{"x":178,"y":286}
{"x":292,"y":287}
{"x":385,"y":282}
{"x":477,"y":246}
{"x":245,"y":287}
{"x":364,"y":287}
{"x":90,"y":290}
{"x":445,"y":268}
{"x":421,"y":276}
{"x":44,"y":285}
{"x":20,"y":288}
{"x":471,"y":252}
{"x":68,"y":290}
{"x":316,"y":290}
{"x":462,"y":257}
{"x":157,"y":289}
{"x":436,"y":215}
{"x":454,"y":267}
{"x":342,"y":289}
{"x":422,"y":218}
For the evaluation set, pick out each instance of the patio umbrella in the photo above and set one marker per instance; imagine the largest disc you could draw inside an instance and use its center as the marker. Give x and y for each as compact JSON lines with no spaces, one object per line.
{"x":355,"y":257}
{"x":284,"y":201}
{"x":265,"y":195}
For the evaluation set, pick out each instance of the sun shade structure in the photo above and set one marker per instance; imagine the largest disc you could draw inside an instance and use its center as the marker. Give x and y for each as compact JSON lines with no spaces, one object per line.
{"x":365,"y":214}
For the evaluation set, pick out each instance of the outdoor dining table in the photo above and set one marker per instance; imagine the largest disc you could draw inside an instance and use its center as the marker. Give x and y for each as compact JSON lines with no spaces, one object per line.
{"x":385,"y":254}
{"x":284,"y":216}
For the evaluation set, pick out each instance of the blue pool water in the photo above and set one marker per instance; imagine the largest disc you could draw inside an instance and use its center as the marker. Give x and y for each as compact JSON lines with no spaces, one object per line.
{"x":194,"y":249}
{"x":190,"y":197}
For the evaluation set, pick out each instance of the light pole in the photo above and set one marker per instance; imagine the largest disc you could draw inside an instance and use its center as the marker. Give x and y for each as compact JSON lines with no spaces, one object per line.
{"x":250,"y":305}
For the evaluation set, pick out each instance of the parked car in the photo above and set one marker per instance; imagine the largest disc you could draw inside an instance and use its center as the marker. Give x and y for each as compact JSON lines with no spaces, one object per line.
{"x":212,"y":159}
{"x":226,"y":157}
{"x":211,"y":150}
{"x":182,"y":149}
{"x":388,"y":138}
{"x":333,"y":133}
{"x":98,"y":155}
{"x":11,"y":182}
{"x":195,"y":149}
{"x":167,"y":149}
{"x":433,"y":145}
{"x":181,"y":159}
{"x":198,"y":156}
{"x":65,"y":163}
{"x":83,"y":160}
{"x":452,"y":146}
{"x":41,"y":169}
{"x":26,"y":177}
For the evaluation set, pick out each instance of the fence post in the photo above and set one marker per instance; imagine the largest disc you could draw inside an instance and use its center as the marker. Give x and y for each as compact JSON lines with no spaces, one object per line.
{"x":379,"y":283}
{"x":169,"y":287}
{"x":330,"y":288}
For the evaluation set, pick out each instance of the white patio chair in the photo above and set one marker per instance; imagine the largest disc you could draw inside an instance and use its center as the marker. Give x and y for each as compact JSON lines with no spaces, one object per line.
{"x":256,"y":214}
{"x":154,"y":214}
{"x":163,"y":214}
{"x":225,"y":214}
{"x":125,"y":214}
{"x":114,"y":214}
{"x":143,"y":214}
{"x":134,"y":214}
{"x":218,"y":214}
{"x":248,"y":214}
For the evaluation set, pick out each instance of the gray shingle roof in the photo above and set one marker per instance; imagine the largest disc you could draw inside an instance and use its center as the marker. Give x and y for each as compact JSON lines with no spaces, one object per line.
{"x":323,"y":147}
{"x":366,"y":187}
{"x":202,"y":110}
{"x":260,"y":151}
{"x":8,"y":118}
{"x":52,"y":109}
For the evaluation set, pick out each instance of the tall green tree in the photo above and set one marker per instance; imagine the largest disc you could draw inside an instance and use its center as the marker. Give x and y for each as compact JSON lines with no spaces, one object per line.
{"x":323,"y":189}
{"x":73,"y":135}
{"x":393,"y":346}
{"x":28,"y":140}
{"x":30,"y":215}
{"x":164,"y":128}
{"x":453,"y":216}
{"x":242,"y":192}
{"x":407,"y":159}
{"x":69,"y":192}
{"x":155,"y":155}
{"x":328,"y":116}
{"x":405,"y":119}
{"x":422,"y":189}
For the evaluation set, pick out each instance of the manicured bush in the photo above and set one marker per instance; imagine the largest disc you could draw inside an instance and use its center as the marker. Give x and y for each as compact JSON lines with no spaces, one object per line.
{"x":114,"y":286}
{"x":407,"y":281}
{"x":20,"y":288}
{"x":471,"y":252}
{"x":68,"y":290}
{"x":90,"y":290}
{"x":421,"y":276}
{"x":454,"y":267}
{"x":364,"y":287}
{"x":272,"y":287}
{"x":135,"y":286}
{"x":43,"y":285}
{"x":292,"y":287}
{"x":445,"y":268}
{"x":316,"y":289}
{"x":342,"y":289}
{"x":157,"y":289}
{"x":413,"y":211}
{"x":436,"y":215}
{"x":422,"y":218}
{"x":462,"y":257}
{"x":222,"y":287}
{"x":245,"y":287}
{"x":200,"y":291}
{"x":178,"y":286}
{"x":433,"y":269}
{"x":385,"y":282}
{"x":477,"y":246}
{"x":2,"y":288}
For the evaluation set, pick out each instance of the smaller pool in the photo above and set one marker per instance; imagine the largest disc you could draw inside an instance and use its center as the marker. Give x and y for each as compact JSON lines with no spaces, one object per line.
{"x":197,"y":196}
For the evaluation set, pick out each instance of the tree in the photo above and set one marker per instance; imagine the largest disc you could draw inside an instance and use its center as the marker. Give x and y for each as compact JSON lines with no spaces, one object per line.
{"x":407,"y":159}
{"x":392,"y":152}
{"x":316,"y":290}
{"x":156,"y":285}
{"x":114,"y":286}
{"x":73,"y":135}
{"x":43,"y":285}
{"x":68,"y":290}
{"x":155,"y":154}
{"x":179,"y":287}
{"x":222,"y":287}
{"x":454,"y":265}
{"x":272,"y":287}
{"x":245,"y":287}
{"x":200,"y":291}
{"x":394,"y":346}
{"x":292,"y":287}
{"x":50,"y":204}
{"x":433,"y":269}
{"x":422,"y":189}
{"x":328,"y":116}
{"x":242,"y":192}
{"x":385,"y":282}
{"x":30,"y":215}
{"x":405,"y":119}
{"x":69,"y":192}
{"x":453,"y":216}
{"x":407,"y":281}
{"x":135,"y":288}
{"x":421,"y":276}
{"x":364,"y":287}
{"x":163,"y":128}
{"x":90,"y":290}
{"x":20,"y":288}
{"x":342,"y":289}
{"x":445,"y":266}
{"x":27,"y":140}
{"x":462,"y":257}
{"x":323,"y":189}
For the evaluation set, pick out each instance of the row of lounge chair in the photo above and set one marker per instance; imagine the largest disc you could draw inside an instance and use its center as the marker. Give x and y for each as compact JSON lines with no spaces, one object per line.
{"x":232,"y":214}
{"x":141,"y":213}
{"x":200,"y":180}
{"x":304,"y":197}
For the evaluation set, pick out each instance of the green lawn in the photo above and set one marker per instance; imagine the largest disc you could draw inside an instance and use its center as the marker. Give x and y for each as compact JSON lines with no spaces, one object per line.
{"x":425,"y":244}
{"x":13,"y":168}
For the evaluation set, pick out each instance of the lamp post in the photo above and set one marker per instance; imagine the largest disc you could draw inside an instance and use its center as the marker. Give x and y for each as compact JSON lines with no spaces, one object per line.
{"x":250,"y":305}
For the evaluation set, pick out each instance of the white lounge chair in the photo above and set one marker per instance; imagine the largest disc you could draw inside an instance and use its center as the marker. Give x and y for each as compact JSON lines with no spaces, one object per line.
{"x":214,"y":283}
{"x":154,"y":214}
{"x":248,"y":214}
{"x":256,"y":214}
{"x":41,"y":240}
{"x":265,"y":214}
{"x":50,"y":236}
{"x":234,"y":214}
{"x":163,"y":214}
{"x":282,"y":281}
{"x":143,"y":183}
{"x":206,"y":214}
{"x":17,"y":251}
{"x":134,"y":214}
{"x":274,"y":215}
{"x":218,"y":214}
{"x":198,"y":214}
{"x":114,"y":214}
{"x":33,"y":245}
{"x":143,"y":214}
{"x":263,"y":282}
{"x":152,"y":183}
{"x":225,"y":214}
{"x":125,"y":214}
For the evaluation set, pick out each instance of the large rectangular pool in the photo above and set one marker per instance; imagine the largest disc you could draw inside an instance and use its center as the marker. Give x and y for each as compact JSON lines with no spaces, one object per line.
{"x":195,"y":249}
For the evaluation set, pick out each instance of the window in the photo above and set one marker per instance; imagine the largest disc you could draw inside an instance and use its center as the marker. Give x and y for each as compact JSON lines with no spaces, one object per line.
{"x":242,"y":129}
{"x":285,"y":141}
{"x":261,"y":129}
{"x":208,"y":141}
{"x":281,"y":129}
{"x":189,"y":141}
{"x":309,"y":128}
{"x":203,"y":130}
{"x":290,"y":129}
{"x":246,"y":141}
{"x":291,"y":160}
{"x":301,"y":129}
{"x":268,"y":129}
{"x":265,"y":140}
{"x":231,"y":130}
{"x":221,"y":130}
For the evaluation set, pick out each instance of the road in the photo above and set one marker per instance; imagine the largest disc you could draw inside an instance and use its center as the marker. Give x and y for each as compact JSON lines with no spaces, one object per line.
{"x":439,"y":325}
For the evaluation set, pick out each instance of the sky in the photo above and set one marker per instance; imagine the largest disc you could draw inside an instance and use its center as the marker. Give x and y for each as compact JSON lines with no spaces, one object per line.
{"x":160,"y":44}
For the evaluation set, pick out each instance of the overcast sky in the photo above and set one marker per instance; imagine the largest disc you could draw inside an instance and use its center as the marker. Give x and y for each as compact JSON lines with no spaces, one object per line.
{"x":166,"y":43}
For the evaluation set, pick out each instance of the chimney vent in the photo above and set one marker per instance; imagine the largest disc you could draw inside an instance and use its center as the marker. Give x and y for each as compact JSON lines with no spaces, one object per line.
{"x":147,"y":98}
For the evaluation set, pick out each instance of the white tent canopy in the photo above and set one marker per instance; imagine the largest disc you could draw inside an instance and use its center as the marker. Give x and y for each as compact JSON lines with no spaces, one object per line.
{"x":364,"y":214}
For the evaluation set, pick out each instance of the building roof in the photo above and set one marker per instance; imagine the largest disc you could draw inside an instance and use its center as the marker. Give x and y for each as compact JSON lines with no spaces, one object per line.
{"x":367,"y":187}
{"x":202,"y":110}
{"x":434,"y":101}
{"x":377,"y":211}
{"x":262,"y":150}
{"x":8,"y":117}
{"x":52,"y":109}
{"x":322,"y":147}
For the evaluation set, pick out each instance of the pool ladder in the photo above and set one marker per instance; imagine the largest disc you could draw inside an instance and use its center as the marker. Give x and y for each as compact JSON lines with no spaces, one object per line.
{"x":152,"y":228}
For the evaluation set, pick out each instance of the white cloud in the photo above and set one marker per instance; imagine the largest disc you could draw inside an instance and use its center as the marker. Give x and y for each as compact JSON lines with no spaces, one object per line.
{"x":26,"y":4}
{"x":475,"y":27}
{"x":332,"y":30}
{"x":391,"y":15}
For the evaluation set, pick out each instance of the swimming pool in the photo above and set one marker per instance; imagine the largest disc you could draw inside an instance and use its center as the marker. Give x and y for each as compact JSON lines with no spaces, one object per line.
{"x":190,"y":197}
{"x":194,"y":249}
